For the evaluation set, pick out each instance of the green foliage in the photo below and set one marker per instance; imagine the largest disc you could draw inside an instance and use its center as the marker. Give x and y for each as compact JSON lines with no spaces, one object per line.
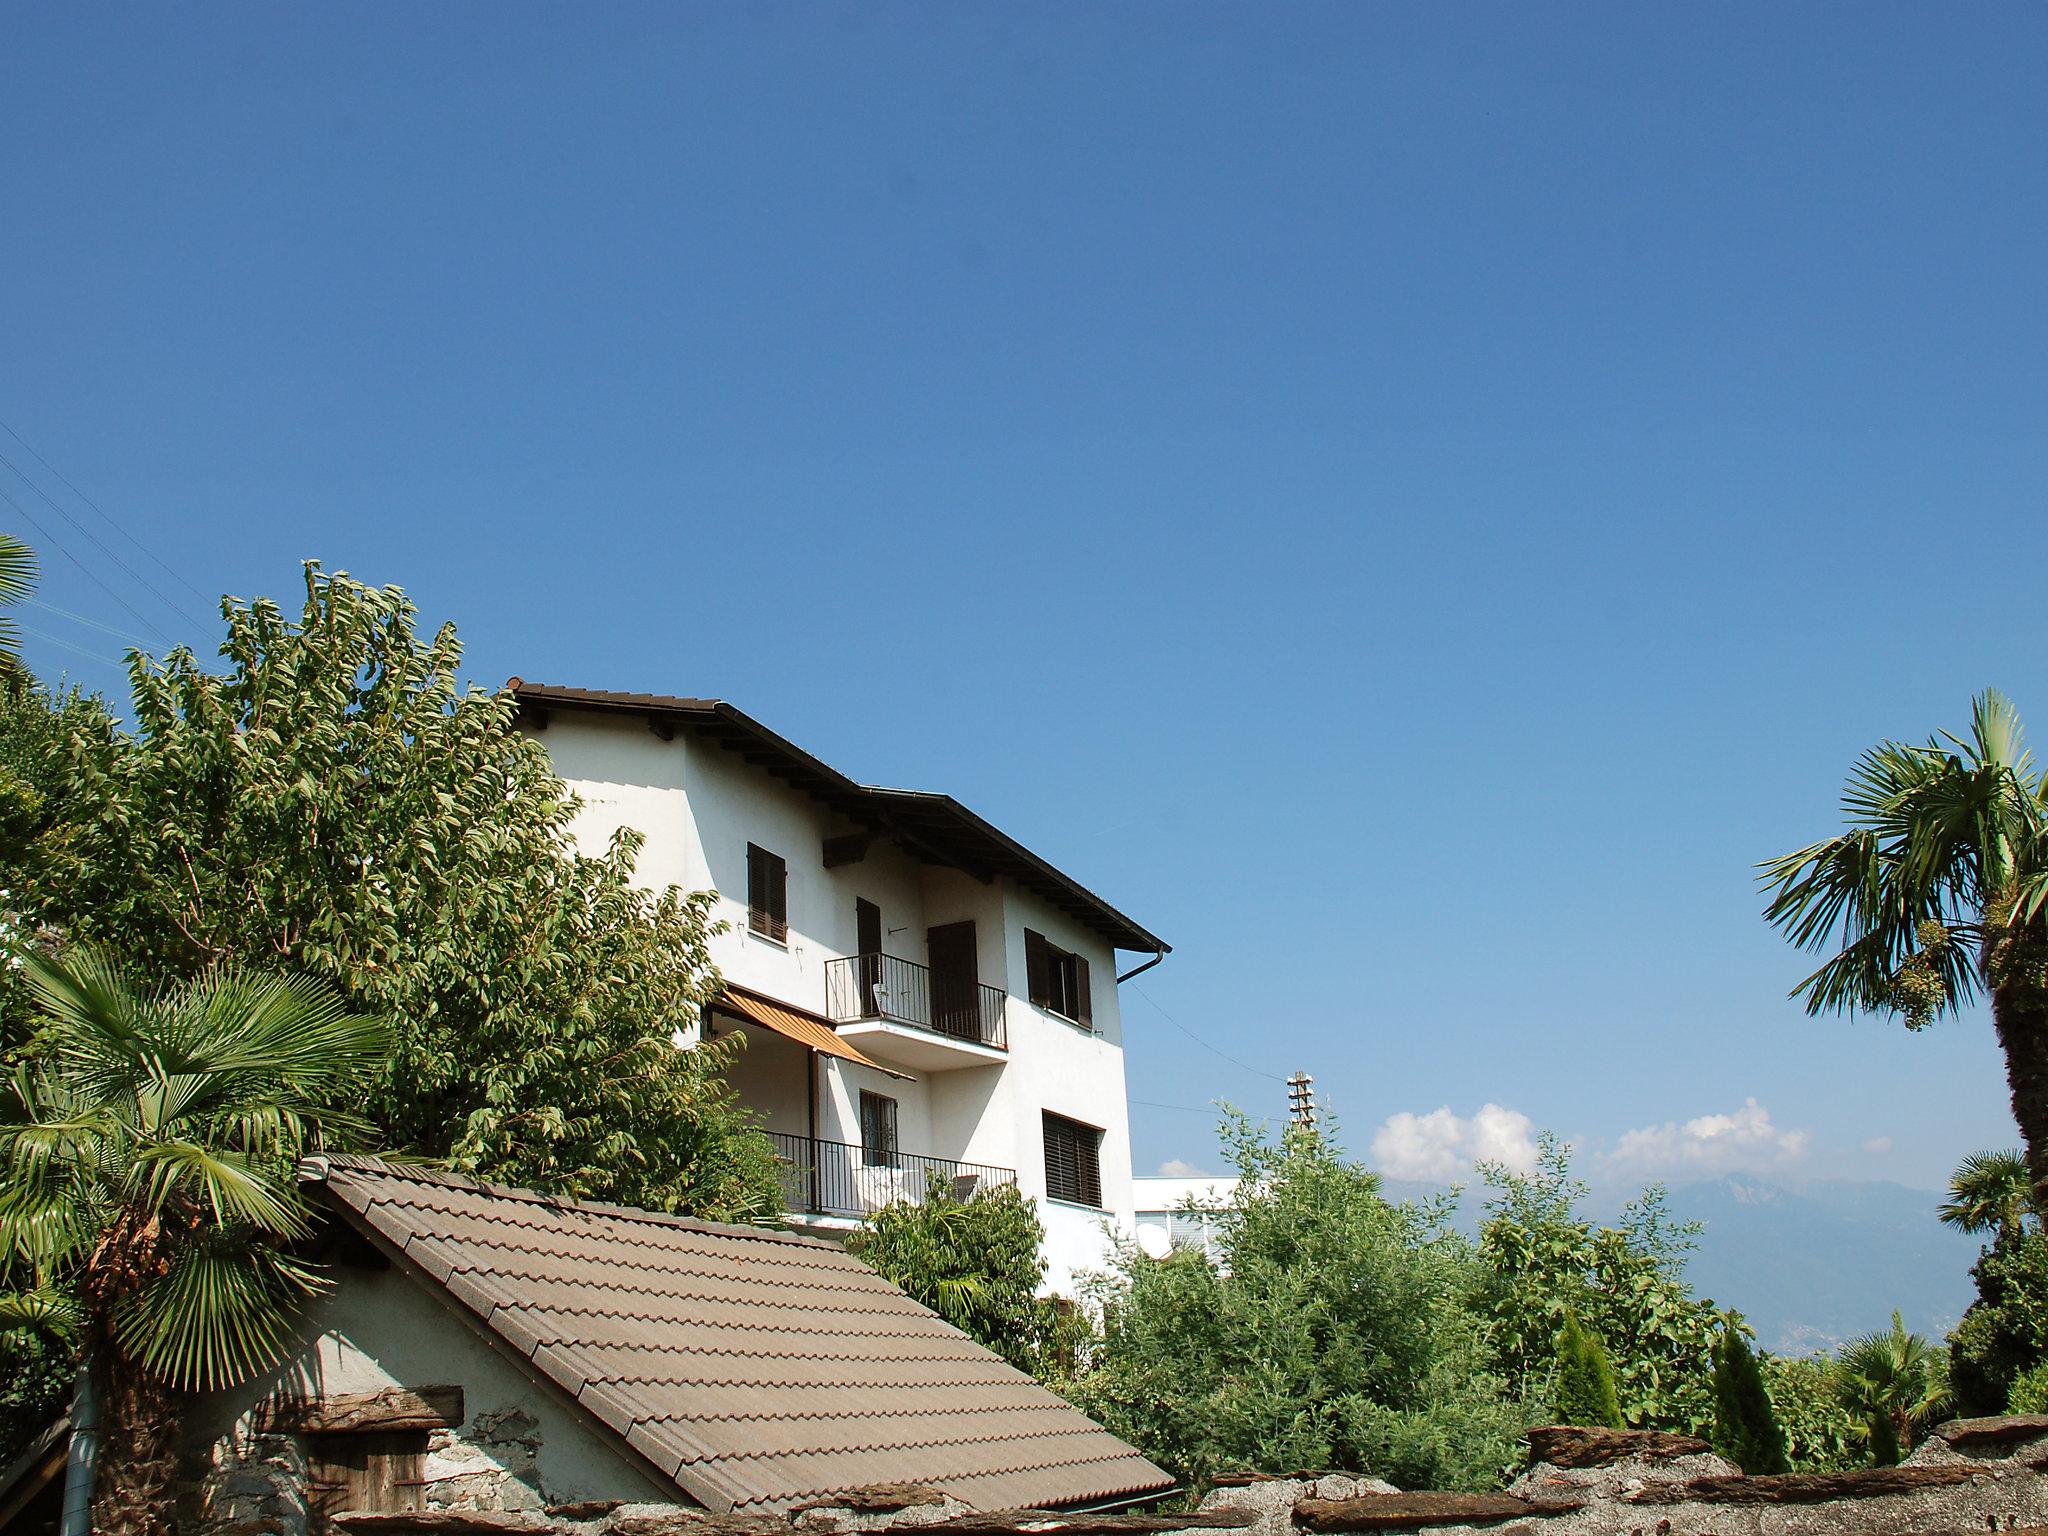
{"x":1585,"y":1379}
{"x":17,"y":580}
{"x":2029,"y":1391}
{"x":1334,"y":1332}
{"x":1540,"y":1262}
{"x":975,"y":1262}
{"x":335,"y":804}
{"x":1820,"y":1436}
{"x":1745,"y":1429}
{"x":2005,"y":1331}
{"x":1990,"y":1192}
{"x":151,"y":1150}
{"x":1892,"y":1384}
{"x":37,"y":1370}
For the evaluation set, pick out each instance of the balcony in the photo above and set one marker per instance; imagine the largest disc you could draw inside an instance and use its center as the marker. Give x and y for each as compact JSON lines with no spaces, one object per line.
{"x":833,"y":1178}
{"x":911,"y":1016}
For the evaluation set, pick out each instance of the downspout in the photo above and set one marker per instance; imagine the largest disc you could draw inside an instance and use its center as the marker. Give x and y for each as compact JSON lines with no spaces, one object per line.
{"x":1139,"y":971}
{"x":82,"y":1456}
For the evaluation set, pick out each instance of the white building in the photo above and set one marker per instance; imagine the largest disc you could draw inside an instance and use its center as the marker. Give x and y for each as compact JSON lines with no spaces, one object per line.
{"x":920,"y":994}
{"x":1164,"y":1218}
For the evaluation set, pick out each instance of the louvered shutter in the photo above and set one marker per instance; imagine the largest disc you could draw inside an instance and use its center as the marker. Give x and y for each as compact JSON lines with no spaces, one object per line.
{"x":1073,"y":1160}
{"x":767,"y":893}
{"x":1083,"y":1008}
{"x":1037,"y":969}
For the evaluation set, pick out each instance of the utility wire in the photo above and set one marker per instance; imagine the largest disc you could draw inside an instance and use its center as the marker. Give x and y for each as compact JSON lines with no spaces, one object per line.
{"x":95,"y":576}
{"x":162,"y":565}
{"x":1205,"y":1045}
{"x":65,"y":512}
{"x":77,"y":650}
{"x":79,"y":618}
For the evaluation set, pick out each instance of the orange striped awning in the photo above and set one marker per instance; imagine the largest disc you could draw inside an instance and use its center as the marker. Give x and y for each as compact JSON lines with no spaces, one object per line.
{"x":807,"y":1029}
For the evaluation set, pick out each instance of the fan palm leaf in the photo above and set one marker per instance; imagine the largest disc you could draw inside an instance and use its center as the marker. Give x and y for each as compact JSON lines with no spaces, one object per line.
{"x":17,"y":580}
{"x":1989,"y":1191}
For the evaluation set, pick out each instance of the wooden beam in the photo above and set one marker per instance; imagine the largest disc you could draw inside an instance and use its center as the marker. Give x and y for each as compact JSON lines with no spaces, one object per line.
{"x":850,"y":849}
{"x":350,"y":1413}
{"x":663,"y":727}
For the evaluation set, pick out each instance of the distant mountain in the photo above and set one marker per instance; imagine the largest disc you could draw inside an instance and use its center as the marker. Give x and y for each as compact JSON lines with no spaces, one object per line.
{"x":1809,"y":1263}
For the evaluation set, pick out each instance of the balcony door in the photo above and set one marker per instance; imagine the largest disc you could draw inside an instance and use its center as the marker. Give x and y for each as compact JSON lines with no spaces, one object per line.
{"x":867,"y":940}
{"x":956,"y":990}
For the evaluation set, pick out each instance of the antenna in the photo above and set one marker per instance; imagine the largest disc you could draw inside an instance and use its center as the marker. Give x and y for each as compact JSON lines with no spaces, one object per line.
{"x":1301,"y":1100}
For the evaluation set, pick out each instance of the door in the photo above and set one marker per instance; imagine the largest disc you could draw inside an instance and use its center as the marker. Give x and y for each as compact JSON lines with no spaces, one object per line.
{"x":956,"y":996}
{"x":867,"y":941}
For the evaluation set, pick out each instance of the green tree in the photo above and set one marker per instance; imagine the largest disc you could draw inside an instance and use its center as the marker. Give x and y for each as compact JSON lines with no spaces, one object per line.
{"x":17,"y":580}
{"x":1990,"y":1192}
{"x":2005,"y":1331}
{"x":1820,"y":1436}
{"x":976,"y":1263}
{"x":1334,"y":1332}
{"x":334,"y":803}
{"x":151,"y":1197}
{"x":1936,"y":890}
{"x":1745,"y":1428}
{"x":1892,"y":1384}
{"x":1585,"y":1378}
{"x":1540,"y":1260}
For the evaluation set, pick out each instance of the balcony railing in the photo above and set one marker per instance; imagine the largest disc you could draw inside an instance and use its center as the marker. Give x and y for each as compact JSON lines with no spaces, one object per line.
{"x":864,"y":987}
{"x":832,"y":1178}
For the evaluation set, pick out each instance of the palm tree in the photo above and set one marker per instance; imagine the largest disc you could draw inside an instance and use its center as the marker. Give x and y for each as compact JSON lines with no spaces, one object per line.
{"x":1893,"y":1384}
{"x":1989,"y":1190}
{"x":1936,"y":890}
{"x":17,"y":580}
{"x":147,"y":1192}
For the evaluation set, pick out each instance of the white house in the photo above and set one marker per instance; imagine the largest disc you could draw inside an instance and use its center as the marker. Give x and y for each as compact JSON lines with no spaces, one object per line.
{"x":921,"y":994}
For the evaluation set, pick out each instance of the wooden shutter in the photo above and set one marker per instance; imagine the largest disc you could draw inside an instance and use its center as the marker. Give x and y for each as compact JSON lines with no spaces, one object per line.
{"x":373,"y":1472}
{"x":878,"y":1129}
{"x":1037,"y":969}
{"x":1084,"y":1008}
{"x":767,"y":893}
{"x":1073,"y":1160}
{"x":955,"y":979}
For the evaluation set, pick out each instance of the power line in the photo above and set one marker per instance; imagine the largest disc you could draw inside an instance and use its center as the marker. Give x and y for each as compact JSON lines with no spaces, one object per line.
{"x":79,"y":618}
{"x":1205,"y":1045}
{"x":94,"y":576}
{"x":65,"y":513}
{"x":162,"y":565}
{"x":77,"y":650}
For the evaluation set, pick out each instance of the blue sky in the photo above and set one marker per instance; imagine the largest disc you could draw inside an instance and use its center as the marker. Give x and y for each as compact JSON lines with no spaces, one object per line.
{"x":1410,"y":502}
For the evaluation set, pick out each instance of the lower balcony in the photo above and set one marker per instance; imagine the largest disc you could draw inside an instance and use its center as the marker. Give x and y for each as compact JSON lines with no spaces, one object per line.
{"x":909,"y":1015}
{"x":833,"y":1178}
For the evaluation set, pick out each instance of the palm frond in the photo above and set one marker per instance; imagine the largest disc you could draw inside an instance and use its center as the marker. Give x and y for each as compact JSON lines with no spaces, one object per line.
{"x":222,"y":1313}
{"x":43,"y":1308}
{"x":236,"y":1191}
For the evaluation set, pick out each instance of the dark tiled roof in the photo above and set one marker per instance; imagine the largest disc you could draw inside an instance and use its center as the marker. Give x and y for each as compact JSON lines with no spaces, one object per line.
{"x":935,"y":827}
{"x":755,"y":1369}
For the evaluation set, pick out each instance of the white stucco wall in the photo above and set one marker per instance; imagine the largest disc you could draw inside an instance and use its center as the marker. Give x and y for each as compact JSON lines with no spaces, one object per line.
{"x":382,"y":1328}
{"x":700,"y":805}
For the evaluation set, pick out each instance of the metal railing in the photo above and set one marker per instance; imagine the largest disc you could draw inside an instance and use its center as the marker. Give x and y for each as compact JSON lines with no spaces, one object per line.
{"x":882,"y":987}
{"x":834,"y":1178}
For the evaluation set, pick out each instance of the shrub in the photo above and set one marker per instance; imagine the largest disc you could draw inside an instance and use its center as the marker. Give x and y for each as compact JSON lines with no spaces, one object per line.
{"x":1585,"y":1378}
{"x":1745,"y":1428}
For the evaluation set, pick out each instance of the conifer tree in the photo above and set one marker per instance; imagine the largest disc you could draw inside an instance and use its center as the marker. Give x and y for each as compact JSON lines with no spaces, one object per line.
{"x":1585,"y":1378}
{"x":1746,"y":1429}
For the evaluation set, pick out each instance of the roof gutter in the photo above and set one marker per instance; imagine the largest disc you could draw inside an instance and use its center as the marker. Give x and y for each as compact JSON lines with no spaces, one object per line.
{"x":1140,"y":970}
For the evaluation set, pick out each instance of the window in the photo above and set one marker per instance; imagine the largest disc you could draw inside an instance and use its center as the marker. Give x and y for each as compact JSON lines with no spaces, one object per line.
{"x":379,"y":1471}
{"x":1073,"y":1160}
{"x":877,"y":1129}
{"x":767,"y":893}
{"x":1057,"y":979}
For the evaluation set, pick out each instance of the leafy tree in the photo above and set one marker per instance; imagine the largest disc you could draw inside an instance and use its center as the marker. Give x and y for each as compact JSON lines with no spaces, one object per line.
{"x":1820,"y":1436}
{"x":17,"y":580}
{"x":1938,"y":888}
{"x":1990,"y":1192}
{"x":1333,"y":1331}
{"x":1893,"y":1384}
{"x":1745,"y":1428}
{"x":2029,"y":1391}
{"x":336,"y":804}
{"x":151,"y":1194}
{"x":975,"y":1262}
{"x":1540,"y":1260}
{"x":1585,"y":1378}
{"x":2005,"y":1331}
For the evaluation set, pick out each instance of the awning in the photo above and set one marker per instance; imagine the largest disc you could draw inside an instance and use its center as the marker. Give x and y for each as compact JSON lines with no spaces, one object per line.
{"x":806,"y":1029}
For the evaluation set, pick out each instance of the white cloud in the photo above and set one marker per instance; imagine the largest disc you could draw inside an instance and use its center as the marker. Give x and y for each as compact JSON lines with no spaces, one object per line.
{"x":1179,"y":1168}
{"x":1442,"y":1145}
{"x":1877,"y":1146}
{"x":1745,"y":1141}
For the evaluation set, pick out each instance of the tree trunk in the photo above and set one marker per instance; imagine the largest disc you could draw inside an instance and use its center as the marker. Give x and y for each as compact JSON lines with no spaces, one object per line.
{"x":2019,"y":1009}
{"x":138,"y":1462}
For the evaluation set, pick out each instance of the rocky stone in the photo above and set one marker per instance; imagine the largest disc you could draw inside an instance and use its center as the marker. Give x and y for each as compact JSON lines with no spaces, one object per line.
{"x":2002,"y":1430}
{"x":1409,"y":1511}
{"x":1811,"y":1487}
{"x":1574,"y":1446}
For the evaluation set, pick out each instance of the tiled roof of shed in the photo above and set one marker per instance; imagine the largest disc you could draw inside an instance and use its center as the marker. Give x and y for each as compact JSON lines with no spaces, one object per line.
{"x":753,"y":1368}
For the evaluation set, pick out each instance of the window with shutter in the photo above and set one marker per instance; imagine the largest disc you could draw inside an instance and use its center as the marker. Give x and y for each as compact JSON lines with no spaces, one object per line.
{"x":877,"y":1129}
{"x":378,"y":1472}
{"x":1057,"y":979}
{"x":1073,"y":1160}
{"x":767,"y":893}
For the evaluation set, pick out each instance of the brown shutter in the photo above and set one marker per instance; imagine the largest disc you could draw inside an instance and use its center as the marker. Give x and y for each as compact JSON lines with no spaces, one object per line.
{"x":778,"y":889}
{"x":767,"y":893}
{"x":1037,"y":969}
{"x":1083,"y":1008}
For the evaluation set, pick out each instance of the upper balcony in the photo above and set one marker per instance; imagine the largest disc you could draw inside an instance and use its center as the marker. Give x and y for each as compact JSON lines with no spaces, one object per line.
{"x":912,"y":1016}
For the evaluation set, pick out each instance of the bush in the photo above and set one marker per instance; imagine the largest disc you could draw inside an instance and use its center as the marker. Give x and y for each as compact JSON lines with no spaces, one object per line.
{"x":1585,"y":1379}
{"x":1745,"y":1429}
{"x":2005,"y":1332}
{"x":2029,"y":1391}
{"x":1820,"y":1436}
{"x":1334,"y":1331}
